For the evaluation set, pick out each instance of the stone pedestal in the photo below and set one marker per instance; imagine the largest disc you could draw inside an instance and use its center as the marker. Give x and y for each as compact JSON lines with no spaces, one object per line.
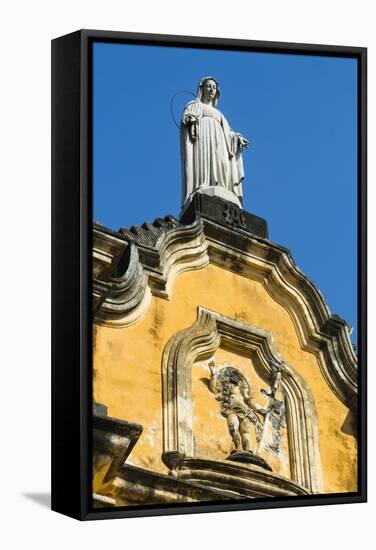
{"x":225,"y":213}
{"x":215,"y":191}
{"x":247,"y":457}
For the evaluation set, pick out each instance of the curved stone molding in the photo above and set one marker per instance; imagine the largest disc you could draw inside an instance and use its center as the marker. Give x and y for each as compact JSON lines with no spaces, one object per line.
{"x":166,"y":248}
{"x":183,"y":248}
{"x":238,"y":480}
{"x":325,"y":335}
{"x":128,"y":296}
{"x":200,"y":341}
{"x":148,"y":267}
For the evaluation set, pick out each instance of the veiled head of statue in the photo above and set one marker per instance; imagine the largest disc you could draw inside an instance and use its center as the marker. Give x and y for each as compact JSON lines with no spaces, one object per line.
{"x":208,"y":88}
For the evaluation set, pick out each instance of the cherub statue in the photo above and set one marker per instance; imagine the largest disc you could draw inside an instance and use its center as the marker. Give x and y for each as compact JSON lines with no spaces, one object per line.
{"x":232,"y":390}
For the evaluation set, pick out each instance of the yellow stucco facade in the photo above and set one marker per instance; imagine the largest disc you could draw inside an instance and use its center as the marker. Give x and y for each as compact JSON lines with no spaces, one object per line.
{"x":127,"y":371}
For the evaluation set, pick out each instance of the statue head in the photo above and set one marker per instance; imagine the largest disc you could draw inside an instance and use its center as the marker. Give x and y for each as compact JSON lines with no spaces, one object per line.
{"x":209,"y":87}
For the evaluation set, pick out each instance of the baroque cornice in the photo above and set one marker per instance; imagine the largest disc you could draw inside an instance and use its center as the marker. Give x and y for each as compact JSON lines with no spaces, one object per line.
{"x":134,"y":268}
{"x":320,"y":332}
{"x":129,"y":270}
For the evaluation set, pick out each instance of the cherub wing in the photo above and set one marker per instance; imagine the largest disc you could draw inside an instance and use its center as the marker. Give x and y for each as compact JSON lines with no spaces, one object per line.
{"x":275,"y":419}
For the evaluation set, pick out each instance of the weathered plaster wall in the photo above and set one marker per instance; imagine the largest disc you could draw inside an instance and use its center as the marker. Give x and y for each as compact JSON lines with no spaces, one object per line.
{"x":127,"y":368}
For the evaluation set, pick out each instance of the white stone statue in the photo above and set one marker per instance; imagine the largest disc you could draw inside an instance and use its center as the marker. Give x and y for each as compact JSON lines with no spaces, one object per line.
{"x":211,"y":152}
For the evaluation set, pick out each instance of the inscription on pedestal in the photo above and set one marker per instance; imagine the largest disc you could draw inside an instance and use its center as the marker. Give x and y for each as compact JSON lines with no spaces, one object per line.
{"x":232,"y":215}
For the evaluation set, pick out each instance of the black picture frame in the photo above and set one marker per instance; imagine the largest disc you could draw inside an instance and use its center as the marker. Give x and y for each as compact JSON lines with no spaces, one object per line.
{"x":71,"y":272}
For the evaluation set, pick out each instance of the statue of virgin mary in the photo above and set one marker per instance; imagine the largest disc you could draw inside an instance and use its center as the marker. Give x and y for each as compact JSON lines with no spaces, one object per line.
{"x":211,"y":153}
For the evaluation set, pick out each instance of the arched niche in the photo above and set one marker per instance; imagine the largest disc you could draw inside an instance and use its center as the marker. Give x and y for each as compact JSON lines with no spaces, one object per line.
{"x":199,"y":342}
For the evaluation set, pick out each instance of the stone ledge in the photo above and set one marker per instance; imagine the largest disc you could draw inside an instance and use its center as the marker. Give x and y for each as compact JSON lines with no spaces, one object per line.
{"x":134,"y":485}
{"x":113,"y":440}
{"x":245,"y":480}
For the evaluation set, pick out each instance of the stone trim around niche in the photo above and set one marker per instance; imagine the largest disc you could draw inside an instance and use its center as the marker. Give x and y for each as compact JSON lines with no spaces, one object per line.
{"x":200,"y":341}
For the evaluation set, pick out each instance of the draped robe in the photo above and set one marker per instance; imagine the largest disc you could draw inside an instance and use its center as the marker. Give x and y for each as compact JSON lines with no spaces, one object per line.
{"x":214,"y":158}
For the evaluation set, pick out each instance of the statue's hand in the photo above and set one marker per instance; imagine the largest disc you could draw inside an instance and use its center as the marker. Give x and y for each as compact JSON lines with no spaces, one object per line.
{"x":211,"y":366}
{"x":243,"y":142}
{"x":189,"y":120}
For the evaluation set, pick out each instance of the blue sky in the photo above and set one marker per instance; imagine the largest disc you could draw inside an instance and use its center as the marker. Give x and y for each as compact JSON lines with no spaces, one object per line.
{"x":300,"y":113}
